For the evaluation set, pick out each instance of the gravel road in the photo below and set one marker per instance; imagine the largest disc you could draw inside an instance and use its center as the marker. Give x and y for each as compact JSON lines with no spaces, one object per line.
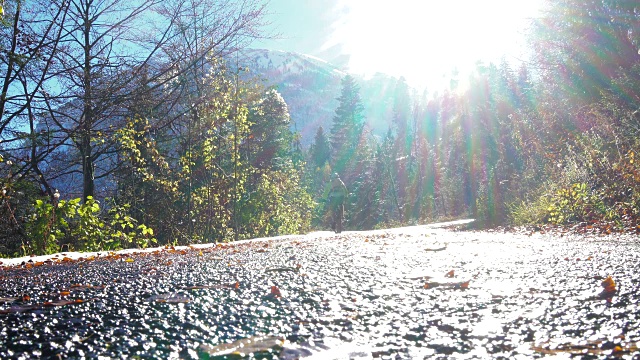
{"x":409,"y":293}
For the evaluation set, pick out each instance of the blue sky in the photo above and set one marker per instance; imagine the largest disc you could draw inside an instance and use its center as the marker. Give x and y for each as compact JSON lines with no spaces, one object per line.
{"x":305,"y":25}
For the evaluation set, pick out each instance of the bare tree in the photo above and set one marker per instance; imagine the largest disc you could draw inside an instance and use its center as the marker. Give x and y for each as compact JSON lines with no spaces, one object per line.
{"x":29,"y":41}
{"x":105,"y":47}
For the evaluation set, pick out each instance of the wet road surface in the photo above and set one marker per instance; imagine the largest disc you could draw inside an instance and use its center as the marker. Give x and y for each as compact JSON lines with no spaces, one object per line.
{"x":410,"y":293}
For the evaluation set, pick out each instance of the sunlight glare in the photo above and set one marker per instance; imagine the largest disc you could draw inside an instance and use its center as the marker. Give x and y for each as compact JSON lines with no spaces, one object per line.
{"x":424,"y":41}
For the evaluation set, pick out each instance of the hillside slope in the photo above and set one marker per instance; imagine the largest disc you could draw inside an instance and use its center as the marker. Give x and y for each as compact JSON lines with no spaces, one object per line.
{"x":311,"y":87}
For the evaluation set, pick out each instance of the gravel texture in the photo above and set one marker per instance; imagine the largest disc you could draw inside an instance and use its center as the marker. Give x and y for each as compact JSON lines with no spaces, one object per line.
{"x":409,"y":293}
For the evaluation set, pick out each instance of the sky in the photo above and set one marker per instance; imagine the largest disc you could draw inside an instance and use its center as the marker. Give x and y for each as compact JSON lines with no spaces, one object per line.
{"x":422,"y":40}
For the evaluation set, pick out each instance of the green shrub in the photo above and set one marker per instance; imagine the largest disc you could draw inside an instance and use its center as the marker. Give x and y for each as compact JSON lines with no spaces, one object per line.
{"x":572,"y":204}
{"x":529,"y":212}
{"x":78,"y":226}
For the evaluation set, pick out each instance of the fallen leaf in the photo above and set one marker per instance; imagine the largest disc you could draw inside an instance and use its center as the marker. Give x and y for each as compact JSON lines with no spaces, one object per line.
{"x":235,"y":285}
{"x":246,"y":346}
{"x":19,"y":309}
{"x":197,"y":287}
{"x":590,"y":348}
{"x":431,"y":284}
{"x":129,"y":260}
{"x":424,"y":277}
{"x":609,"y":289}
{"x":63,"y":302}
{"x":86,"y":287}
{"x":450,"y":274}
{"x":8,"y":300}
{"x":328,"y":348}
{"x":447,"y":285}
{"x":608,"y":284}
{"x":275,"y":292}
{"x":282,"y":269}
{"x":169,"y":298}
{"x":436,"y":249}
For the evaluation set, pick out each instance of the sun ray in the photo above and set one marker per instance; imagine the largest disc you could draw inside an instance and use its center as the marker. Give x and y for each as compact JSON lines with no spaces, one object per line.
{"x":425,"y":41}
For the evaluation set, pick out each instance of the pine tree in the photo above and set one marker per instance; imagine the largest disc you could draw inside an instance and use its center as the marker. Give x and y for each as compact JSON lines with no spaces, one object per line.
{"x":362,"y":204}
{"x":347,"y":124}
{"x":401,"y":118}
{"x":402,"y":145}
{"x":320,"y":149}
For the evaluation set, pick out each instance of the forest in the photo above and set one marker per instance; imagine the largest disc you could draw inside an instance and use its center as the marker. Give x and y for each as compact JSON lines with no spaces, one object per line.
{"x":127,"y":124}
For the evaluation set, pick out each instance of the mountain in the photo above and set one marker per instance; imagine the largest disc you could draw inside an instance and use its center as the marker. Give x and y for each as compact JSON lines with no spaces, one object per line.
{"x":311,"y":87}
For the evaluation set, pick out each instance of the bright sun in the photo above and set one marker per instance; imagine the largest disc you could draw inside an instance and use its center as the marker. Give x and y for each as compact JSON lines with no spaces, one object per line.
{"x":424,"y":40}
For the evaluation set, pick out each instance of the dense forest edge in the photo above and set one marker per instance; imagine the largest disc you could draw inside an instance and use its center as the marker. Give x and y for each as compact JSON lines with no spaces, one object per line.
{"x":169,"y":142}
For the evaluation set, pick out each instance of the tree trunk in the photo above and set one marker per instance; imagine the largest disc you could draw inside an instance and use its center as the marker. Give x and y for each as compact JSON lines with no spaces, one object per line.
{"x":88,"y":186}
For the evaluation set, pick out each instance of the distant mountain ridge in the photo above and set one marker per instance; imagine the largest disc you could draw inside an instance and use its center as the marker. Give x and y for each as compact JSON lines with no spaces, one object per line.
{"x":311,"y":87}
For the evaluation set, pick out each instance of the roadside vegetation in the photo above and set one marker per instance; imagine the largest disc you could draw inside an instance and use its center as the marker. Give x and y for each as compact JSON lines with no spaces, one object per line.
{"x":145,"y":131}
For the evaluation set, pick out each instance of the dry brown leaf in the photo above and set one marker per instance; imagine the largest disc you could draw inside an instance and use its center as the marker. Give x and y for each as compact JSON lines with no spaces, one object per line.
{"x":275,"y":291}
{"x":609,"y":285}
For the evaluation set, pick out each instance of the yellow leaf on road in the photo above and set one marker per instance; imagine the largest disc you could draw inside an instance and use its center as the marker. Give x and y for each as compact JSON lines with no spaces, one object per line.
{"x":609,"y":285}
